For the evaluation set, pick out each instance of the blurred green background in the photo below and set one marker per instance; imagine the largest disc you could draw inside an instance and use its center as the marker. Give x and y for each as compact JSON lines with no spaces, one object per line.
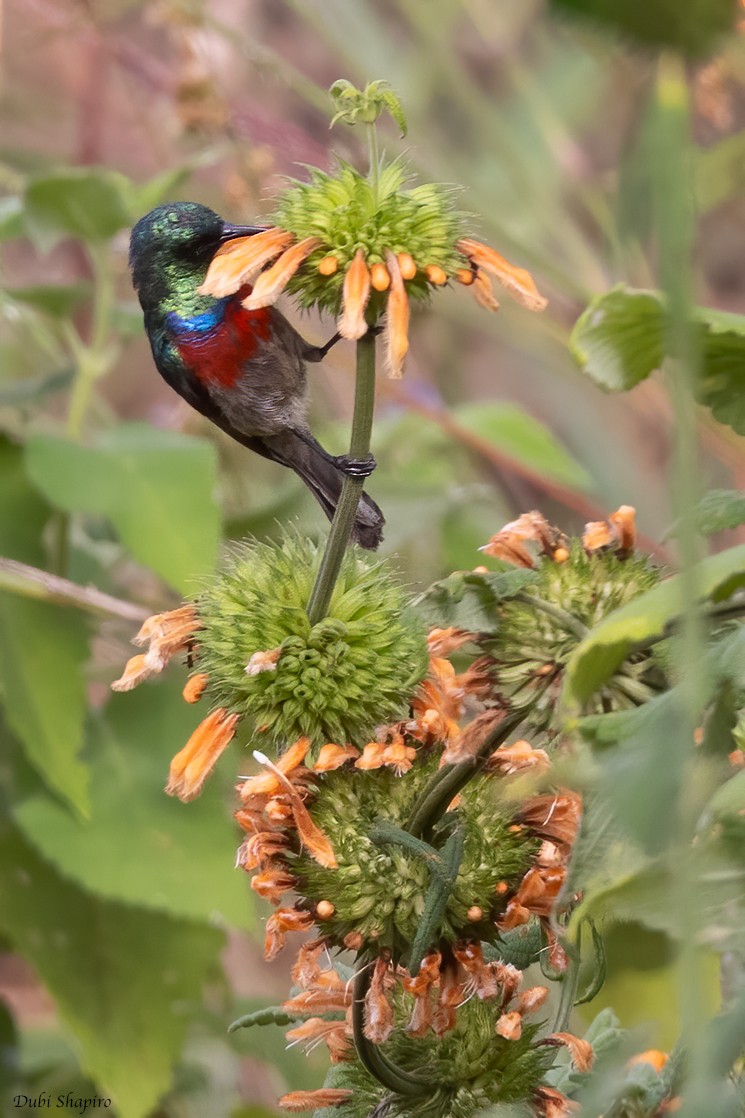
{"x":117,"y":901}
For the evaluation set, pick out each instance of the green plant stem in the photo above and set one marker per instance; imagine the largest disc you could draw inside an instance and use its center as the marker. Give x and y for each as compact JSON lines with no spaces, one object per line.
{"x":379,"y":1066}
{"x":92,"y":360}
{"x":18,"y":578}
{"x":346,"y":510}
{"x":674,"y":219}
{"x":448,"y":781}
{"x":569,"y":986}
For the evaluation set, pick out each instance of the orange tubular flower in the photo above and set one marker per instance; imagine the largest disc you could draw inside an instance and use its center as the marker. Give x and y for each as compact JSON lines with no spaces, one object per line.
{"x":191,"y":767}
{"x":237,"y":261}
{"x":166,"y":634}
{"x":298,"y":1101}
{"x":356,"y":293}
{"x":397,"y":320}
{"x":516,"y":281}
{"x":271,"y":283}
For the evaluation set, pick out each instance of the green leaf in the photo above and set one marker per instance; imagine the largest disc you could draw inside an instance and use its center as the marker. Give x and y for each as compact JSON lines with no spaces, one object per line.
{"x":727,"y":807}
{"x":156,"y":487}
{"x":140,"y":845}
{"x":42,"y":649}
{"x":468,"y":599}
{"x":523,"y":438}
{"x":11,"y":217}
{"x":718,"y":510}
{"x":620,"y":339}
{"x":124,"y":980}
{"x":57,"y":300}
{"x":85,"y":202}
{"x":641,"y":622}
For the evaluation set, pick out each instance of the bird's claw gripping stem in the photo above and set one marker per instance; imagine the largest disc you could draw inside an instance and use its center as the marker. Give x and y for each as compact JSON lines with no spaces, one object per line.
{"x":356,"y":467}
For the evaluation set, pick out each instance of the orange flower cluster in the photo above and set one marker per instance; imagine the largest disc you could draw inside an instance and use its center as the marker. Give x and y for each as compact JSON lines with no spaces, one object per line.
{"x":271,"y":258}
{"x":522,"y":540}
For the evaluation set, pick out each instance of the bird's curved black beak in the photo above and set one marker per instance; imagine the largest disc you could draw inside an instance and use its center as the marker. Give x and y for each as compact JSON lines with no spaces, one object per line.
{"x":230,"y":232}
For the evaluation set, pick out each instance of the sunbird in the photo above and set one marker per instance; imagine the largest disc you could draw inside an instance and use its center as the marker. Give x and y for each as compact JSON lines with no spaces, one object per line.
{"x":243,"y":369}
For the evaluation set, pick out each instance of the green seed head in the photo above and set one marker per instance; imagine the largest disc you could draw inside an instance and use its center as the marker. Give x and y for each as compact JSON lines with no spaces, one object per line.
{"x":469,"y":1068}
{"x":381,"y":889}
{"x":347,"y":212}
{"x":531,"y":645}
{"x":333,"y":681}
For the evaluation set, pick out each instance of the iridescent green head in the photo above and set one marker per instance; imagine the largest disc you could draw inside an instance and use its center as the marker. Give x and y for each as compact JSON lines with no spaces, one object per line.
{"x":171,"y":247}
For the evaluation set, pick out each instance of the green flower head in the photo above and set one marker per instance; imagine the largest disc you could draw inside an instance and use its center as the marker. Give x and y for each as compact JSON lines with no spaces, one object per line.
{"x":331,"y":682}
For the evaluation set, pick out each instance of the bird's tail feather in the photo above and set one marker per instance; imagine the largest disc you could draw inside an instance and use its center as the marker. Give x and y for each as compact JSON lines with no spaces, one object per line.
{"x":324,"y":479}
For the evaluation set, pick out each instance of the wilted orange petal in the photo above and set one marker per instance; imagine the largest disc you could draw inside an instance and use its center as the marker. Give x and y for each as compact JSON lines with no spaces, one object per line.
{"x":333,"y":757}
{"x":318,"y":845}
{"x":531,"y":999}
{"x":554,"y":817}
{"x":191,"y":767}
{"x":237,"y":260}
{"x":580,"y":1051}
{"x":356,"y":293}
{"x":271,"y":283}
{"x":263,"y":661}
{"x":266,"y":783}
{"x":372,"y":756}
{"x":181,"y":621}
{"x":510,"y":1026}
{"x":378,"y":1010}
{"x":624,"y":521}
{"x":298,"y":1101}
{"x":397,"y":321}
{"x":135,"y":670}
{"x":553,"y":1104}
{"x":519,"y":757}
{"x":482,"y":290}
{"x":441,"y":642}
{"x":194,"y":687}
{"x":597,"y":534}
{"x":516,"y":280}
{"x":272,"y":884}
{"x":284,"y":920}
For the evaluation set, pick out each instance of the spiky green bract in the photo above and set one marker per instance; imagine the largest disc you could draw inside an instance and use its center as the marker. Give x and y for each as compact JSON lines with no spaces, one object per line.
{"x":469,"y":1068}
{"x":530,"y":645}
{"x":334,"y":681}
{"x":347,"y":213}
{"x":379,"y":890}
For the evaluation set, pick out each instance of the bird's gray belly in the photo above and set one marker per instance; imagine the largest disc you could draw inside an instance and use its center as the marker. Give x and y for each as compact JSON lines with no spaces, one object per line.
{"x":269,"y":396}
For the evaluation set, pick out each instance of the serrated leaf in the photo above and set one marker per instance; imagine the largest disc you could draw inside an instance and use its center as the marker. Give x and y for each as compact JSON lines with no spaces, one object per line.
{"x":42,"y":649}
{"x":720,"y":509}
{"x":124,"y":979}
{"x":156,"y":487}
{"x":139,"y":845}
{"x":85,"y":202}
{"x":518,"y":434}
{"x":643,"y":621}
{"x":620,"y":339}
